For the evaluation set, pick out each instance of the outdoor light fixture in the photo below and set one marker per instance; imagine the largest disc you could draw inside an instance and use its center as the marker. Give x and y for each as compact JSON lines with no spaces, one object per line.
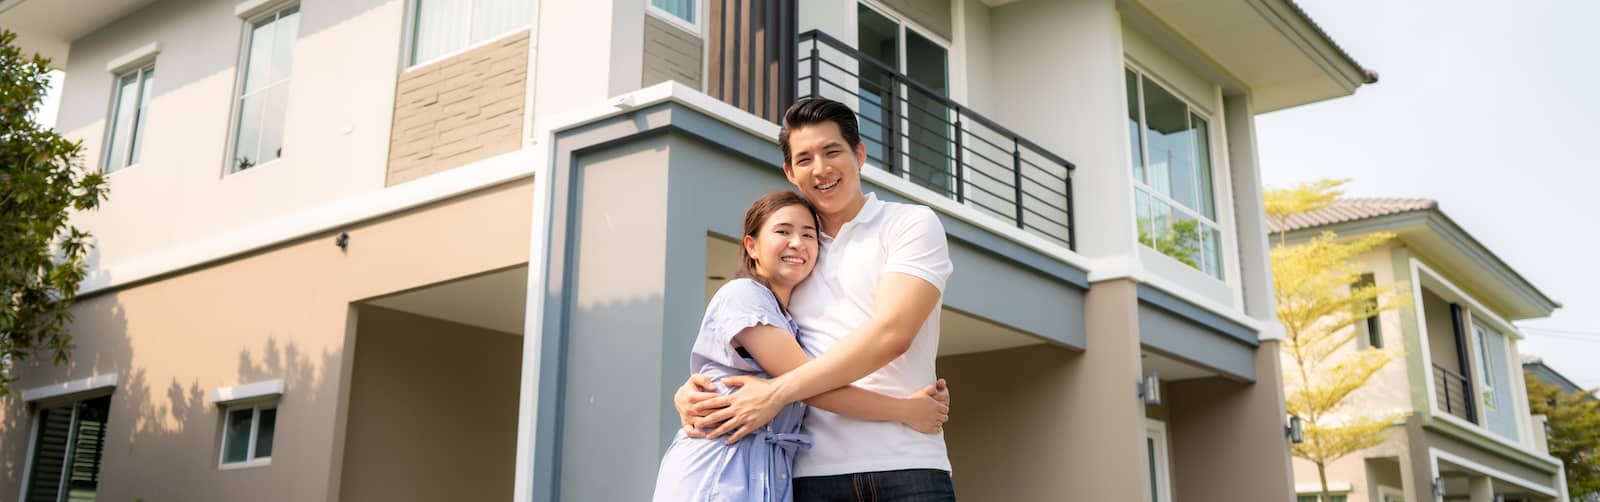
{"x":1296,"y":430}
{"x":343,"y":241}
{"x":1150,"y":389}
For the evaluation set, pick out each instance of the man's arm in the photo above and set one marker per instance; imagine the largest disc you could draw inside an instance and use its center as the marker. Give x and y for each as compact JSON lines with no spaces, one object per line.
{"x":903,"y":304}
{"x":777,"y":351}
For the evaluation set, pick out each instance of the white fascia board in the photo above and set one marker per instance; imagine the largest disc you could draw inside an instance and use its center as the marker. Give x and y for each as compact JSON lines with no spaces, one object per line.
{"x":108,"y":380}
{"x":252,"y":8}
{"x":255,"y":390}
{"x":134,"y":58}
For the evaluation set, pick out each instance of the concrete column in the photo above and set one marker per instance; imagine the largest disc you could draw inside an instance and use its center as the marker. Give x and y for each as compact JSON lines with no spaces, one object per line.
{"x":1419,"y":466}
{"x":1106,"y":424}
{"x":1255,"y":268}
{"x":1246,"y":420}
{"x":1480,"y":489}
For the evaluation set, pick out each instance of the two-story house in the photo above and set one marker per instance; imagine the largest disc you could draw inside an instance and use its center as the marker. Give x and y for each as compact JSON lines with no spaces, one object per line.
{"x":1466,"y":433}
{"x":458,"y":250}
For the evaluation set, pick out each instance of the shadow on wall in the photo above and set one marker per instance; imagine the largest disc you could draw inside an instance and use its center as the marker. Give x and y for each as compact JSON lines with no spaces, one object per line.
{"x":163,"y":437}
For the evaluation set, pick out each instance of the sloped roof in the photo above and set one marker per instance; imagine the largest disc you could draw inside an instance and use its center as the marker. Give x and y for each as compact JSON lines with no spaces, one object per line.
{"x":1352,"y":209}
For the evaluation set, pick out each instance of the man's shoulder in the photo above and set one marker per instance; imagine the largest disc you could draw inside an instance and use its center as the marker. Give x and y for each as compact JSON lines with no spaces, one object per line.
{"x":897,"y":212}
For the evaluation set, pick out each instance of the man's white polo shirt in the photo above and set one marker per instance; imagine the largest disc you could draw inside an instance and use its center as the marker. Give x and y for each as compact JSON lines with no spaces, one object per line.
{"x":884,"y":237}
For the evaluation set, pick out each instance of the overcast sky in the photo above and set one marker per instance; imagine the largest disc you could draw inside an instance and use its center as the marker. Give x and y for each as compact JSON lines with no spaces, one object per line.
{"x":1488,"y":107}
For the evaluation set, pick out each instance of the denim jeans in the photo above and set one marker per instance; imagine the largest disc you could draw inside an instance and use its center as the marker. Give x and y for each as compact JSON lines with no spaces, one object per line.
{"x":910,"y":485}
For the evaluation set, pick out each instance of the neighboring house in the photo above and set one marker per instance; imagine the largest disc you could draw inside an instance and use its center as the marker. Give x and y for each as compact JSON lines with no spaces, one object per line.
{"x":1466,"y":432}
{"x":391,"y":250}
{"x":1535,"y":366}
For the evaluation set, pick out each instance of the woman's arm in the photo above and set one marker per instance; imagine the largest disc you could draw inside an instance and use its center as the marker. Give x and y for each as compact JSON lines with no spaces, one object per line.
{"x":777,"y":351}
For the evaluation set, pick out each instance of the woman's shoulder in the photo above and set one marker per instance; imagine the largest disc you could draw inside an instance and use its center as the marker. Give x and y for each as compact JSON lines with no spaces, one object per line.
{"x":743,"y":294}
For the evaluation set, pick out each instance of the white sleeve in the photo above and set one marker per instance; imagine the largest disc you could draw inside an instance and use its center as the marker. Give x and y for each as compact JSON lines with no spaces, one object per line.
{"x":915,"y":244}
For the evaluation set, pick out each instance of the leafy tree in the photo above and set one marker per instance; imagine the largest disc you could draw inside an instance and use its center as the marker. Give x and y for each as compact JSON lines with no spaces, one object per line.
{"x":1574,"y":432}
{"x":1319,"y":301}
{"x":41,"y":180}
{"x":1180,"y":240}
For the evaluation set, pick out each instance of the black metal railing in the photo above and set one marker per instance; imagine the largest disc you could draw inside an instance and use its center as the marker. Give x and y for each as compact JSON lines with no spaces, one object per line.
{"x":1453,"y":393}
{"x":916,"y":132}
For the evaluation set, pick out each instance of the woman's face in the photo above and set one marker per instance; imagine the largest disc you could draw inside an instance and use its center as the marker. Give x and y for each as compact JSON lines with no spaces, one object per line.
{"x":785,"y":248}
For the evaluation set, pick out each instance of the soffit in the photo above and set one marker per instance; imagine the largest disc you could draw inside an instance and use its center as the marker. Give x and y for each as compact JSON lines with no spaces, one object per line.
{"x":49,"y":27}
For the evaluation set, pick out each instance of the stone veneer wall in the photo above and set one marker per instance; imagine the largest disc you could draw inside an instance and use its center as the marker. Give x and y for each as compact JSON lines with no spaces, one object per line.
{"x":458,"y":110}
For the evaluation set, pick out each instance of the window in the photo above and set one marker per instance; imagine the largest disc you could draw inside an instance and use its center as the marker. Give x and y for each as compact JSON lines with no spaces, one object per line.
{"x":1374,"y":329}
{"x":67,"y":444}
{"x":1171,"y":161}
{"x":1155,"y":444}
{"x":247,"y":434}
{"x":680,"y":10}
{"x":128,"y":103}
{"x":1313,"y":498}
{"x":264,"y":89}
{"x":442,"y":27}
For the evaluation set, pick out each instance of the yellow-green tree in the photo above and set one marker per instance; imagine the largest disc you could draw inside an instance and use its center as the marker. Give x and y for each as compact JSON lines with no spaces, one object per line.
{"x":1574,"y":425}
{"x":1319,"y":302}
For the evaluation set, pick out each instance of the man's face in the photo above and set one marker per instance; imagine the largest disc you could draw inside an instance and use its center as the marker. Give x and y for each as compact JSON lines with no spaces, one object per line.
{"x":825,"y":169}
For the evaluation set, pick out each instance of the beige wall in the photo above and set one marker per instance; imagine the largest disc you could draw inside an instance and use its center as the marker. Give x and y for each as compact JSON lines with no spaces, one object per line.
{"x":1242,"y":422}
{"x":432,"y":412}
{"x":458,"y":110}
{"x":281,"y":312}
{"x":341,"y":95}
{"x":1441,"y":333}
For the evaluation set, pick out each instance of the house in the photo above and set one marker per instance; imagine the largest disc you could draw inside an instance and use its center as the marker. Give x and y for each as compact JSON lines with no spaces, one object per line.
{"x":402,"y":250}
{"x":1466,"y":432}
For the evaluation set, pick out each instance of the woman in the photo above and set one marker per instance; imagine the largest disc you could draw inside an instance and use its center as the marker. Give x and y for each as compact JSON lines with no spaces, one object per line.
{"x":747,"y":331}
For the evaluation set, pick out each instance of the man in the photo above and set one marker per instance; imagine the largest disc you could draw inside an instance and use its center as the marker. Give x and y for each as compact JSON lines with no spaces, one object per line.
{"x":870,"y":310}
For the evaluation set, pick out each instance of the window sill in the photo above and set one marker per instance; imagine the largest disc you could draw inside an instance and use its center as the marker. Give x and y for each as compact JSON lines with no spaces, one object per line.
{"x":260,"y":462}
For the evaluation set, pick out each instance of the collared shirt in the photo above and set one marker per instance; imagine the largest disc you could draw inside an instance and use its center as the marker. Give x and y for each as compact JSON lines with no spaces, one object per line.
{"x":883,"y":238}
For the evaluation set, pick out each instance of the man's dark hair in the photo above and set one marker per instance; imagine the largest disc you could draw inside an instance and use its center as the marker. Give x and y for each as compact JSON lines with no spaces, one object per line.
{"x":812,"y":111}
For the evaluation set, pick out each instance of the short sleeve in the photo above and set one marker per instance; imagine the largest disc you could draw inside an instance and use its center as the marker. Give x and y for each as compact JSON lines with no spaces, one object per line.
{"x":914,"y":243}
{"x":739,"y":304}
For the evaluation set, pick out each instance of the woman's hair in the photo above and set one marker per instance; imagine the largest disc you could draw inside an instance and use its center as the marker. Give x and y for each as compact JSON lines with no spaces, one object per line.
{"x":756,"y":217}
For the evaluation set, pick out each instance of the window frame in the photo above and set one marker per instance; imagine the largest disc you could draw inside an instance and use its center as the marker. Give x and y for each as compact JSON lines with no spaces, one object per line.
{"x":1156,"y":431}
{"x":241,"y":74}
{"x":1213,"y":171}
{"x":140,"y":110}
{"x":408,"y":40}
{"x":256,"y":406}
{"x":71,"y":400}
{"x":1371,"y":326}
{"x":696,"y":27}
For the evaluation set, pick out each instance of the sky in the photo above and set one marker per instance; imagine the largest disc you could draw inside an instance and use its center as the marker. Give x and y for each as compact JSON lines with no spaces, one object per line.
{"x":1485,"y":107}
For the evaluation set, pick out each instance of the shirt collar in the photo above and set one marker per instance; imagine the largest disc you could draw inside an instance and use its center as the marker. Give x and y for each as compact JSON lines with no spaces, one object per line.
{"x":870,"y":210}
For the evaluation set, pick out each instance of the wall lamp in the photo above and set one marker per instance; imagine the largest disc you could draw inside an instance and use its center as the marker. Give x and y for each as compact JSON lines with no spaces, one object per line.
{"x":1150,"y":389}
{"x":1296,"y":430}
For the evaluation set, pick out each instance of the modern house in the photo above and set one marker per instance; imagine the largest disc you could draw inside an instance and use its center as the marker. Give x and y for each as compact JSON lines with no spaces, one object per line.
{"x":1466,"y":433}
{"x":458,"y":250}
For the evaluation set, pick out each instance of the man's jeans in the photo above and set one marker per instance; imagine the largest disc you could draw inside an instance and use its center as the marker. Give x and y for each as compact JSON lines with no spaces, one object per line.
{"x":911,"y":485}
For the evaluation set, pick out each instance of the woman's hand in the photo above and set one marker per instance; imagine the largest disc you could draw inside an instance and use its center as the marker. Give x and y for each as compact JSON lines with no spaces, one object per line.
{"x":754,"y":405}
{"x":694,"y":391}
{"x":928,"y":409}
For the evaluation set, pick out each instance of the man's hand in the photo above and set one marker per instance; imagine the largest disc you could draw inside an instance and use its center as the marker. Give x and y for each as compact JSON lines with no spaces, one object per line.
{"x":697,"y":389}
{"x":755,"y":404}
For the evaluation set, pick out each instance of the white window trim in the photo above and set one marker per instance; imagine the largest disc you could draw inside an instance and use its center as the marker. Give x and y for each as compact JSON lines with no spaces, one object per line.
{"x":135,"y":68}
{"x":257,"y":406}
{"x":1157,"y":431}
{"x":69,"y":388}
{"x":1225,"y":260}
{"x":409,"y":36}
{"x":137,"y":58}
{"x":228,"y":396}
{"x":241,"y":62}
{"x":249,"y":10}
{"x":697,"y":27}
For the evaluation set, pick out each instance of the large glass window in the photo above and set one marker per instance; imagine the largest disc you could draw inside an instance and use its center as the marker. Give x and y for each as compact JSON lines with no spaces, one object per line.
{"x":683,"y":10}
{"x":1175,"y":202}
{"x":126,"y":131}
{"x":906,"y":130}
{"x":445,"y":26}
{"x":264,"y":89}
{"x":67,"y":446}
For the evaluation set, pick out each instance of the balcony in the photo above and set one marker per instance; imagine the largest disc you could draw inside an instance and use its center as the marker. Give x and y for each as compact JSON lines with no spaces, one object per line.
{"x":1453,"y":392}
{"x":917,"y":133}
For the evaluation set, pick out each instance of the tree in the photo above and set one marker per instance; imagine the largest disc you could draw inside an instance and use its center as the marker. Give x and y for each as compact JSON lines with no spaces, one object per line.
{"x":41,"y":181}
{"x":1319,"y":301}
{"x":1574,"y":432}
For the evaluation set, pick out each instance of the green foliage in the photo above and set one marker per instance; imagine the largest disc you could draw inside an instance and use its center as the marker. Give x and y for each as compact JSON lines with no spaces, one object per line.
{"x":1319,"y":301}
{"x":1181,"y":240}
{"x":41,"y":254}
{"x":1574,"y":432}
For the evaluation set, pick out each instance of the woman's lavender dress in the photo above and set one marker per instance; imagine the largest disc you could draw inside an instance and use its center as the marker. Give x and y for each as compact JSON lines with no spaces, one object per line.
{"x":757,"y":468}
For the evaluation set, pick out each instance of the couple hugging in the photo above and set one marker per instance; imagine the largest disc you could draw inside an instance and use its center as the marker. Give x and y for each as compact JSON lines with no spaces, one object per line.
{"x":846,"y":278}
